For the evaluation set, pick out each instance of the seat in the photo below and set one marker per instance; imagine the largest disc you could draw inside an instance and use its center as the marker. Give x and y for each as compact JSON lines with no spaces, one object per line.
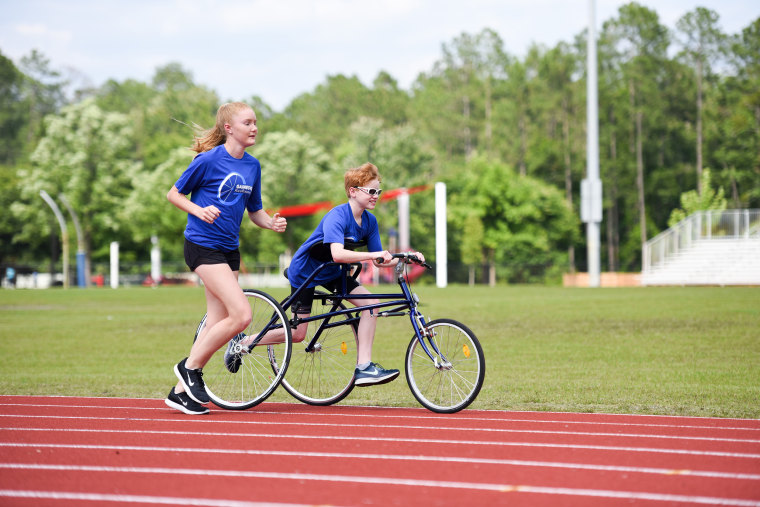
{"x":321,"y":252}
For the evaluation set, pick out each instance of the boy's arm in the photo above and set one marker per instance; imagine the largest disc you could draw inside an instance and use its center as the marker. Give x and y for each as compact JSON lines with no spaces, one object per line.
{"x":341,"y":254}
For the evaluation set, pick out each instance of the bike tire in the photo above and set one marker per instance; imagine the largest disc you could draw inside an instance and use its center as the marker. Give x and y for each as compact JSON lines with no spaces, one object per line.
{"x":324,"y":375}
{"x":453,"y":384}
{"x":255,"y":379}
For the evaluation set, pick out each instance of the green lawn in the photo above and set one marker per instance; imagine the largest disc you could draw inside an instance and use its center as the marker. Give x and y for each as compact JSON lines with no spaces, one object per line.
{"x":684,"y":351}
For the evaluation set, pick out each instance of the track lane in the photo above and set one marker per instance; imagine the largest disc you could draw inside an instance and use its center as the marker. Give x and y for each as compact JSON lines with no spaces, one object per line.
{"x":485,"y":454}
{"x":397,"y":466}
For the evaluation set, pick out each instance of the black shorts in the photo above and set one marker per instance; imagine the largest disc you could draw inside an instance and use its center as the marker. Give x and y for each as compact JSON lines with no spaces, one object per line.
{"x":196,"y":255}
{"x":302,"y":304}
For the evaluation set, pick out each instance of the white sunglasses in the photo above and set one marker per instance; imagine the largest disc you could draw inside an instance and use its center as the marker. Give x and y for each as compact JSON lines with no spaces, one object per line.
{"x":371,"y":191}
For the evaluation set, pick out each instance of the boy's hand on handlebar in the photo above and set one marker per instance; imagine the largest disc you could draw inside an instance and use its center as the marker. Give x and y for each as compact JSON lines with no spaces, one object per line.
{"x":417,"y":257}
{"x":383,"y":257}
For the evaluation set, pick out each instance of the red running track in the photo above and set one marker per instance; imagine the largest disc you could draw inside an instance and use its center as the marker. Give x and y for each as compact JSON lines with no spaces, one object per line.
{"x":65,"y":451}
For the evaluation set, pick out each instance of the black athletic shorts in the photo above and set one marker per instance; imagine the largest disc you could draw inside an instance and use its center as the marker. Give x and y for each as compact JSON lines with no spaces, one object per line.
{"x":196,"y":255}
{"x":302,"y":304}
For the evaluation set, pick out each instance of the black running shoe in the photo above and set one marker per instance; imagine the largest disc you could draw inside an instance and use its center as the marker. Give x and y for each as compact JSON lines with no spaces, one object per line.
{"x":232,"y":359}
{"x":192,"y":381}
{"x":183,"y":403}
{"x":373,"y":374}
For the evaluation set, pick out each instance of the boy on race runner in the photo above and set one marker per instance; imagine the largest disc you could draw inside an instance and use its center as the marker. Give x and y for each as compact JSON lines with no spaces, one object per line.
{"x":345,"y":224}
{"x":224,"y":182}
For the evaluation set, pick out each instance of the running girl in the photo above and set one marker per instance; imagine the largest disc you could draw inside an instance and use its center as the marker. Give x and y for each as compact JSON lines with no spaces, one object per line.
{"x":223,"y":182}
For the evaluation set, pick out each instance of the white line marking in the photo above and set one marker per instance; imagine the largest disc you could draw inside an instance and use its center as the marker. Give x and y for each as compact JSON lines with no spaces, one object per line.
{"x":100,"y":497}
{"x":401,"y":457}
{"x":414,"y":409}
{"x":396,"y":426}
{"x":433,"y":417}
{"x":503,"y":488}
{"x":529,"y":421}
{"x":408,"y":440}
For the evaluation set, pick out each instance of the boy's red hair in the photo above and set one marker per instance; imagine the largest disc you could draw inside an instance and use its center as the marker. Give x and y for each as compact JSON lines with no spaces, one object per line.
{"x":360,"y":176}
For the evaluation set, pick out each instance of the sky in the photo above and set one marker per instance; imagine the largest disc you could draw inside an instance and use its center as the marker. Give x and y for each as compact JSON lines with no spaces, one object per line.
{"x":279,"y":49}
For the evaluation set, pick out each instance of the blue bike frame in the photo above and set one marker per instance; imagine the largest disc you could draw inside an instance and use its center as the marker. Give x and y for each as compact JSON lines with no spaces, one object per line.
{"x":399,"y":304}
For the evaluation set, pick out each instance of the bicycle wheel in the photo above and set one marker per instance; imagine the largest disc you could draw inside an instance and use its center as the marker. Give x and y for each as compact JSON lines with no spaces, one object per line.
{"x":453,"y":380}
{"x":255,"y":379}
{"x":325,"y":374}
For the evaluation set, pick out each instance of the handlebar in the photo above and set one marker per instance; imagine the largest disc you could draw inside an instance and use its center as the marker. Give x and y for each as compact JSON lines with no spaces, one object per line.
{"x":406,"y":258}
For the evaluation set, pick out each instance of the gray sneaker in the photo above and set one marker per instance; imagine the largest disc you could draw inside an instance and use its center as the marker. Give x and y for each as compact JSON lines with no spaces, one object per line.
{"x":373,"y":374}
{"x":232,"y":360}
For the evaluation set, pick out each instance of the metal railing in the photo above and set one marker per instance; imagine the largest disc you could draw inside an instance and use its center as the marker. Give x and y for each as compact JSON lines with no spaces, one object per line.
{"x":711,"y":224}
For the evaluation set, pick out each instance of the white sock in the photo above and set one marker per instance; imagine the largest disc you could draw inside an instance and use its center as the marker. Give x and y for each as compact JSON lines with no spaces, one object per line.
{"x":364,"y":366}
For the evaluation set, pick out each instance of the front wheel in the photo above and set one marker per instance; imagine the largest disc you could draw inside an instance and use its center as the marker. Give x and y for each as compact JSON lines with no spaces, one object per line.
{"x":254,"y":378}
{"x":452,"y":380}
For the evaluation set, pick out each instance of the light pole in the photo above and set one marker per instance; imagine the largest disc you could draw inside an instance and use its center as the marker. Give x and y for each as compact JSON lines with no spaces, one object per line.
{"x":591,"y":187}
{"x":81,"y":253}
{"x":64,"y":235}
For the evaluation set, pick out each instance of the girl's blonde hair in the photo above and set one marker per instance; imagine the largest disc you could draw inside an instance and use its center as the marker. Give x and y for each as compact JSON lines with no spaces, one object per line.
{"x":360,"y":176}
{"x":215,"y":136}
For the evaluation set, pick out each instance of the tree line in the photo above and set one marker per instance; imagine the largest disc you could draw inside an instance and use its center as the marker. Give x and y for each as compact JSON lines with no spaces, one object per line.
{"x":679,"y":115}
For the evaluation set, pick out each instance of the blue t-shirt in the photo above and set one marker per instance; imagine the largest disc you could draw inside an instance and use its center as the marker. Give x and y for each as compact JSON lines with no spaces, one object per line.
{"x":337,"y":226}
{"x":233,"y":185}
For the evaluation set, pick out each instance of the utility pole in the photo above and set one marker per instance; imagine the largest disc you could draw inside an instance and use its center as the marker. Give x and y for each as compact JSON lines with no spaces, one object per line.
{"x":591,"y":187}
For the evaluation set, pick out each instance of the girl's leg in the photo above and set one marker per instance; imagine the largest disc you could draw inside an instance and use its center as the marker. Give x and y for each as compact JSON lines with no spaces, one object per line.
{"x":228,"y":312}
{"x":278,"y":335}
{"x":215,"y":312}
{"x":367,"y":325}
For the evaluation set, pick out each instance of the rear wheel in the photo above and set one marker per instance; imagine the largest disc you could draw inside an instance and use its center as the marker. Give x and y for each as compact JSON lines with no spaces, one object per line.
{"x":255,"y":378}
{"x":325,"y":374}
{"x":452,"y":380}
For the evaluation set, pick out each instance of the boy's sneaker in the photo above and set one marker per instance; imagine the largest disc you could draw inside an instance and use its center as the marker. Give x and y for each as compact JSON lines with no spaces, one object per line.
{"x":192,"y":381}
{"x":373,"y":374}
{"x":231,"y":359}
{"x":183,"y":403}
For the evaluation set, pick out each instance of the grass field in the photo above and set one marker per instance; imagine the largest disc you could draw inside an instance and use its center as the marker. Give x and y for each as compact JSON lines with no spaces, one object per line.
{"x":682,"y":351}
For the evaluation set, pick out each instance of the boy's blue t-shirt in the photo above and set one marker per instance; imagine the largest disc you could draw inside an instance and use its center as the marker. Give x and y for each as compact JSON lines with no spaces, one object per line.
{"x":337,"y":226}
{"x":232,"y":185}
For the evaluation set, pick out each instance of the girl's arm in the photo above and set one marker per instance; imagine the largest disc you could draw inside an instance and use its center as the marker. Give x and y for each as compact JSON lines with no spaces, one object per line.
{"x":207,"y":214}
{"x":263,"y":220}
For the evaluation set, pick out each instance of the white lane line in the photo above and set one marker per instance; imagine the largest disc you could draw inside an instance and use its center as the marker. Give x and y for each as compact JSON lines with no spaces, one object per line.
{"x":299,"y":424}
{"x":393,"y":481}
{"x":432,"y":417}
{"x":292,"y":436}
{"x":160,"y":500}
{"x":383,"y":408}
{"x":400,"y":457}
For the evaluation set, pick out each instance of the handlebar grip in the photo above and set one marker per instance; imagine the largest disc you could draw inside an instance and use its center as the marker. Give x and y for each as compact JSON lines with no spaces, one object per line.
{"x":413,"y":258}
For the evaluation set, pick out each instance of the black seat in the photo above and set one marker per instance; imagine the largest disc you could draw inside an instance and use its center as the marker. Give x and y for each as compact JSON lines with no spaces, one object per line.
{"x":321,"y":251}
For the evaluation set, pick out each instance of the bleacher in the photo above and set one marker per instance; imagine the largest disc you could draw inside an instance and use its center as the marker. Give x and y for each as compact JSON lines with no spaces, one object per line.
{"x":706,"y":248}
